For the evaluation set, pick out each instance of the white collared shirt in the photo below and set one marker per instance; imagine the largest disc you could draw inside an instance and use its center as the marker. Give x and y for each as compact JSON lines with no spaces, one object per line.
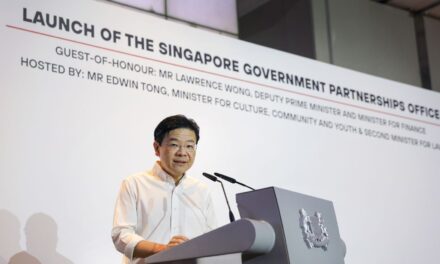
{"x":151,"y":207}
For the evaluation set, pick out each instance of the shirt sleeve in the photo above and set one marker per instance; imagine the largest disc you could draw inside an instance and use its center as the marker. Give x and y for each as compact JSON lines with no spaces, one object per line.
{"x":124,"y":234}
{"x":211,"y":219}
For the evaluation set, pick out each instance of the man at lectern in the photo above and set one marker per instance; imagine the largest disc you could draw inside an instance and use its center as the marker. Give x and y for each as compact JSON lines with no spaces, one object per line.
{"x":163,"y":207}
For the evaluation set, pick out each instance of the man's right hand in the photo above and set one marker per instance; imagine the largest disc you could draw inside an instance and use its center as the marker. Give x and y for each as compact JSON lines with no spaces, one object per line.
{"x":147,"y":248}
{"x":177,"y":240}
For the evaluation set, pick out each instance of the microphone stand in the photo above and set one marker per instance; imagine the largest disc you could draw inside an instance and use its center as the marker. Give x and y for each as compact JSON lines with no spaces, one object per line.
{"x":213,"y":178}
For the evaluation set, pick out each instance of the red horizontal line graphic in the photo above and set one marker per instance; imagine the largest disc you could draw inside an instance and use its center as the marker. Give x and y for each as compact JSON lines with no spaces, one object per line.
{"x":223,"y":76}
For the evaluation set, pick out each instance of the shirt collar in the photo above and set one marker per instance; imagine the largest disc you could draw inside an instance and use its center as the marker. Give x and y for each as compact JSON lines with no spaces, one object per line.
{"x":163,"y":175}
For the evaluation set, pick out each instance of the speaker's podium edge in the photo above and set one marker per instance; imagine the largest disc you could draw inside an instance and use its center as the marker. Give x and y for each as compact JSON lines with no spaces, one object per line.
{"x":244,"y":236}
{"x":277,"y":226}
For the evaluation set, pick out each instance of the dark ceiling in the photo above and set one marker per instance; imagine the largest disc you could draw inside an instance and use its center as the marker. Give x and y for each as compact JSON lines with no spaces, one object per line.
{"x":430,"y":8}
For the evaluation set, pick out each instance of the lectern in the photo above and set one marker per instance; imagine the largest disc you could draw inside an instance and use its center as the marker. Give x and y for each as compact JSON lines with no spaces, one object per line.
{"x":276,"y":226}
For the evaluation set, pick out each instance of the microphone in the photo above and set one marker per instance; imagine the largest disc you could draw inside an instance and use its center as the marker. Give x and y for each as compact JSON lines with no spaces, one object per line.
{"x":214,"y":179}
{"x":209,"y":176}
{"x":231,"y":180}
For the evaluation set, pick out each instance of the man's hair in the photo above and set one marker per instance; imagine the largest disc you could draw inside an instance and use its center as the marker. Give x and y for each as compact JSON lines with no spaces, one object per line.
{"x":174,"y":122}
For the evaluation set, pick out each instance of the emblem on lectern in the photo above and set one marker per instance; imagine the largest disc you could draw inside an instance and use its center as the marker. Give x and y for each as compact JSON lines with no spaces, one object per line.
{"x":314,"y":232}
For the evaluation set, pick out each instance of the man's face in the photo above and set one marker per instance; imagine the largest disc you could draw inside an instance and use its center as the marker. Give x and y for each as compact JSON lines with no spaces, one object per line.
{"x":177,"y":151}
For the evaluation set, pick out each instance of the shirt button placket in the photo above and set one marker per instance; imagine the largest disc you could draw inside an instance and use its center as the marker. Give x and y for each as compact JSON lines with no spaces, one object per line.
{"x":175,"y":212}
{"x":176,"y":218}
